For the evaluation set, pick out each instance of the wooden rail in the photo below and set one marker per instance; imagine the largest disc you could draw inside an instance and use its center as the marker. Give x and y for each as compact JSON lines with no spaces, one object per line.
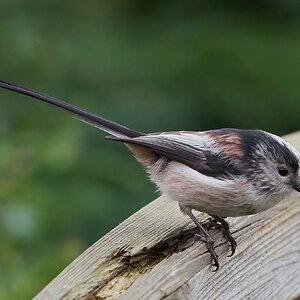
{"x":145,"y":258}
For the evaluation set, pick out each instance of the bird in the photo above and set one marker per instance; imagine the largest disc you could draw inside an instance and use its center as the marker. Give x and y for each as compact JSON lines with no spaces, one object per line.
{"x":224,"y":172}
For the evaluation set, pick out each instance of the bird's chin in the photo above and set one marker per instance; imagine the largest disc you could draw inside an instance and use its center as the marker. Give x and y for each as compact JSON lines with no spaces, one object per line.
{"x":285,"y":192}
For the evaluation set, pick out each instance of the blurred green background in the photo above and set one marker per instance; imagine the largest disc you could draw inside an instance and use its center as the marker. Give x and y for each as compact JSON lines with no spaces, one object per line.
{"x":150,"y":65}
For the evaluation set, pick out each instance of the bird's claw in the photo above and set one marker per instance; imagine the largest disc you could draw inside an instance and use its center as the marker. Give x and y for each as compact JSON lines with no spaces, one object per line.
{"x":231,"y":241}
{"x":226,"y":233}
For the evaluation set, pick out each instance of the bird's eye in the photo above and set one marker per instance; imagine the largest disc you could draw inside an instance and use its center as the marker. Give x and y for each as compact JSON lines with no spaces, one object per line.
{"x":282,"y":171}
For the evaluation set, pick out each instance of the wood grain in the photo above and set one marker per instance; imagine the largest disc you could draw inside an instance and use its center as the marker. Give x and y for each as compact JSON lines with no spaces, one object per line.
{"x":145,"y":258}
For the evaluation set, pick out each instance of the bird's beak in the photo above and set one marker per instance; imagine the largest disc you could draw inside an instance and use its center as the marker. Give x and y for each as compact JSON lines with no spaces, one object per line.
{"x":296,"y":185}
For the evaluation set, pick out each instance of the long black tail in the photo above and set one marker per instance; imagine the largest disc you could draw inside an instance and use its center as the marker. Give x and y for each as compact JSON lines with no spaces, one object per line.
{"x":101,"y":123}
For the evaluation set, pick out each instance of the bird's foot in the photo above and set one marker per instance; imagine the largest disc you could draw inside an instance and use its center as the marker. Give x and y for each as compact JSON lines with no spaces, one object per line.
{"x":202,"y":235}
{"x":221,"y":224}
{"x":209,"y":242}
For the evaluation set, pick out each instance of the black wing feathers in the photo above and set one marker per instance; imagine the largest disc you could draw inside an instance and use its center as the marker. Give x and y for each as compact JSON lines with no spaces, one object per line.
{"x":200,"y":160}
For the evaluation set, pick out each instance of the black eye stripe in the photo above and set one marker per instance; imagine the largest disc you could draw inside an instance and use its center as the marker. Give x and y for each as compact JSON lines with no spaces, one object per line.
{"x":279,"y":152}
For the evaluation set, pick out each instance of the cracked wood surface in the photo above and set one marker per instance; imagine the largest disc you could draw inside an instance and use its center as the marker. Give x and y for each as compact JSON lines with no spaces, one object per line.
{"x":144,"y":258}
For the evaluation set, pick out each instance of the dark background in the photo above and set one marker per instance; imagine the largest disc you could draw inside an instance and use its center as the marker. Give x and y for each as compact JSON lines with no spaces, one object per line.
{"x":150,"y":65}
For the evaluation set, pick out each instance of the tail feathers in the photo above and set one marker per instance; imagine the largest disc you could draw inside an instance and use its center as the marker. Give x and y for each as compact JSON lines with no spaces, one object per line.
{"x":94,"y":120}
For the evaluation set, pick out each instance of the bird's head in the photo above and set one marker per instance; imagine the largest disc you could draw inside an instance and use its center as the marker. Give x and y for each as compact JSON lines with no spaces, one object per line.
{"x":274,"y":164}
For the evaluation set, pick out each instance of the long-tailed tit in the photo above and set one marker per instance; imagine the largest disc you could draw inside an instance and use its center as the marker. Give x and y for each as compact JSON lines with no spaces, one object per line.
{"x":223,"y":172}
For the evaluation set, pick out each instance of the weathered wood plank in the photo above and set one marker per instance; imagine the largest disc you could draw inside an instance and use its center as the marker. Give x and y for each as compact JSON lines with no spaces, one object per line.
{"x":142,"y":258}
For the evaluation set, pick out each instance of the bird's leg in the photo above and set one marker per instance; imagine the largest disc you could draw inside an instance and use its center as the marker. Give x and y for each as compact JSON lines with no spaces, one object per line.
{"x":203,"y":235}
{"x":220,"y":223}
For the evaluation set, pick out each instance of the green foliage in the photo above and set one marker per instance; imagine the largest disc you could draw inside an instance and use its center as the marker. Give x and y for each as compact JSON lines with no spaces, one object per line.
{"x":159,"y":65}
